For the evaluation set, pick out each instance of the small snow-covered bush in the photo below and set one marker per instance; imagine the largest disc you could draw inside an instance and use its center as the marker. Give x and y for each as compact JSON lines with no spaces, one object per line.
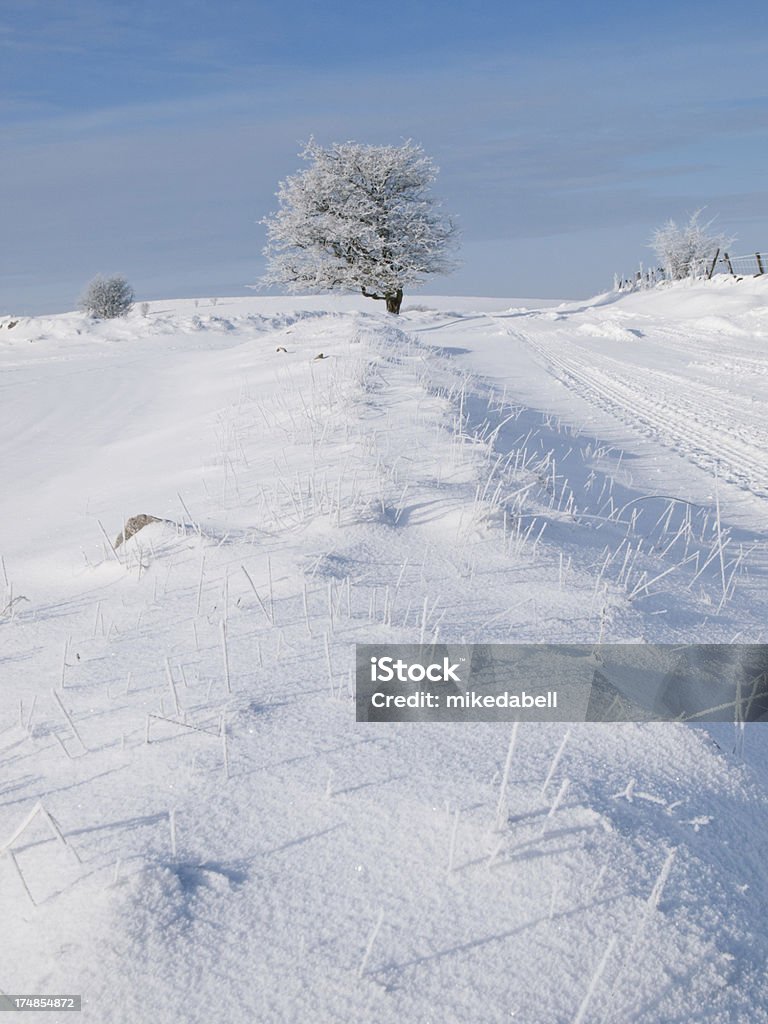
{"x":107,"y":297}
{"x":684,"y":250}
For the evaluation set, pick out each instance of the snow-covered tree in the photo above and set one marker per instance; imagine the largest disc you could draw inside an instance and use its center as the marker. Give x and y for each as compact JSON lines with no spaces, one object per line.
{"x":686,"y":249}
{"x":359,"y":218}
{"x":107,"y":297}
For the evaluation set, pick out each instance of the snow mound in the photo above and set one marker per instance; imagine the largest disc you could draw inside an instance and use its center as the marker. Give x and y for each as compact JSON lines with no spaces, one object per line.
{"x":719,"y":325}
{"x":228,"y":843}
{"x":611,"y":329}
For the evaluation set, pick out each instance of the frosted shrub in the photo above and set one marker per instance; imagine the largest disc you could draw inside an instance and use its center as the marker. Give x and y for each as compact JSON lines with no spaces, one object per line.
{"x":107,"y":297}
{"x":687,"y":249}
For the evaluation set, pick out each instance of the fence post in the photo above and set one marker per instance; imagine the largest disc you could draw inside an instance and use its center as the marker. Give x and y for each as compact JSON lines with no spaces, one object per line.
{"x":714,"y":264}
{"x":759,"y":263}
{"x":728,"y":263}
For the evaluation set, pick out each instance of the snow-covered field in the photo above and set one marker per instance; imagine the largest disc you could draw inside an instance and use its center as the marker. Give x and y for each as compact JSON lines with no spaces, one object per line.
{"x":193,"y":826}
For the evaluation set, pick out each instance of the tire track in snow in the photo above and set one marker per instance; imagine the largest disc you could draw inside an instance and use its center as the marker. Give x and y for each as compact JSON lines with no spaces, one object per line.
{"x":709,"y":427}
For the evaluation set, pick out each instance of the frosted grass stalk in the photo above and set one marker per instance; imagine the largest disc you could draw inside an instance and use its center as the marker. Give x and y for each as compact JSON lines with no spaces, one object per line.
{"x":328,"y":661}
{"x":110,"y":548}
{"x":224,"y":747}
{"x":172,"y":687}
{"x":564,"y":786}
{"x":369,"y":947}
{"x":271,"y":592}
{"x":64,"y":661}
{"x":200,"y":583}
{"x":555,"y":762}
{"x":452,"y":844}
{"x":172,"y":828}
{"x":501,"y":805}
{"x":593,"y":983}
{"x":68,"y":717}
{"x":23,"y":881}
{"x":225,"y":654}
{"x":263,"y":607}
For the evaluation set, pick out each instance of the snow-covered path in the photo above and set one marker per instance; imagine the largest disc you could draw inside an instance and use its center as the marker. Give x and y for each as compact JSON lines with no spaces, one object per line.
{"x":697,"y":384}
{"x":716,"y":425}
{"x":224,"y":841}
{"x":676,"y":381}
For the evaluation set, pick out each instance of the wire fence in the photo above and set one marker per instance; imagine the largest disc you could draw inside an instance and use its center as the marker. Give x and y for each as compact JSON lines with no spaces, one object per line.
{"x":752,"y":265}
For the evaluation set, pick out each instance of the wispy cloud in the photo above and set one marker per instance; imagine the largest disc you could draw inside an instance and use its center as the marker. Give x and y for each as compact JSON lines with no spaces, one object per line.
{"x":596,"y":145}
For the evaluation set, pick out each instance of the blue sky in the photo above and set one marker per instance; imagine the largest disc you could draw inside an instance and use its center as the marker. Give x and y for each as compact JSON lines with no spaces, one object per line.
{"x":148,"y":139}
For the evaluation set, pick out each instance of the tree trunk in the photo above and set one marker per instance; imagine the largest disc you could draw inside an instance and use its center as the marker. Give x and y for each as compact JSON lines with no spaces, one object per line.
{"x":395,"y":301}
